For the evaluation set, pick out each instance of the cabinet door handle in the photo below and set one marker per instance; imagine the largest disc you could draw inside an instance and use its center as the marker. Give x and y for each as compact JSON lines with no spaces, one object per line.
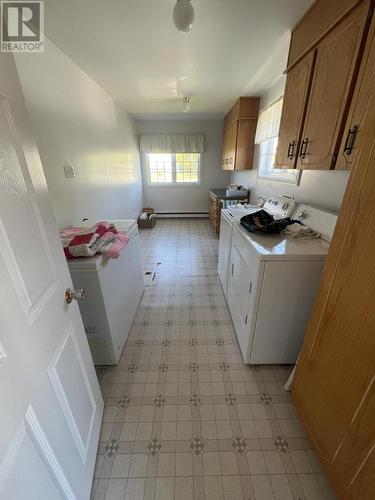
{"x":303,"y":149}
{"x":232,"y":269}
{"x":291,"y":150}
{"x":349,"y":143}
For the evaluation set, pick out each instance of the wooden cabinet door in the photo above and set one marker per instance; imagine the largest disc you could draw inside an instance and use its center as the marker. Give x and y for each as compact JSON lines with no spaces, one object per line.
{"x":294,"y":108}
{"x":334,"y":386}
{"x":210,"y":209}
{"x":354,"y":124}
{"x":245,"y":144}
{"x":231,"y":144}
{"x":336,"y":61}
{"x":224,"y":155}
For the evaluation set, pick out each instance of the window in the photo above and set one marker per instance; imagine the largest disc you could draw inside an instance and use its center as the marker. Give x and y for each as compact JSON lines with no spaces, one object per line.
{"x":173,"y":168}
{"x":266,"y":136}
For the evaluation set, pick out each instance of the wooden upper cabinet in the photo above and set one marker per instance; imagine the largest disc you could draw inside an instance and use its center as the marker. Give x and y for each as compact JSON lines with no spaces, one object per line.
{"x":239,"y":134}
{"x":245,"y":143}
{"x":294,"y":108}
{"x":317,"y":21}
{"x":354,"y":127}
{"x":330,"y":69}
{"x":337,"y":56}
{"x":230,"y":135}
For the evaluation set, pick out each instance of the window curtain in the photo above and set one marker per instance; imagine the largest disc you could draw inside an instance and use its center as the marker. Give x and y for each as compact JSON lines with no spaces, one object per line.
{"x":175,"y":143}
{"x":269,"y":122}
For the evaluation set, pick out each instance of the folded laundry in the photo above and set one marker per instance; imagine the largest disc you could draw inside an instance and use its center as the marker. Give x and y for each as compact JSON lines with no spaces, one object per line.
{"x":102,"y":237}
{"x":299,"y":231}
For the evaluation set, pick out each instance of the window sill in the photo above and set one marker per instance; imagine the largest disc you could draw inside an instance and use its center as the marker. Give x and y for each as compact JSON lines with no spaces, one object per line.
{"x":277,"y":178}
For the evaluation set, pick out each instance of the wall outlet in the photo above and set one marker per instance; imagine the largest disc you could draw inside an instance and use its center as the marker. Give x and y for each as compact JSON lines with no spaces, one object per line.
{"x":69,"y":171}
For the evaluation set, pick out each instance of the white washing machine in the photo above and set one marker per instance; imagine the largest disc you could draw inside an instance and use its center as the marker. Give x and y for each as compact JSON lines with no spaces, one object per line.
{"x":272,"y":283}
{"x":277,"y":205}
{"x":113,"y":289}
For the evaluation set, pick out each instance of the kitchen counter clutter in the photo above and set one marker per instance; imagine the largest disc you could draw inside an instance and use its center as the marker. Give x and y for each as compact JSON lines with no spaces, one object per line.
{"x":222,"y":198}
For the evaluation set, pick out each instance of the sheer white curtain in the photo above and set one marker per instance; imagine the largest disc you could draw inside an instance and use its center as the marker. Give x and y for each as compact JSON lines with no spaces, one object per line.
{"x":172,"y":143}
{"x":269,"y":122}
{"x":267,"y":136}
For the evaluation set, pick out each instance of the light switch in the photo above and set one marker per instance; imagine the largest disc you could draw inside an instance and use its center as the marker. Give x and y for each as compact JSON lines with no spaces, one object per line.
{"x":69,"y":171}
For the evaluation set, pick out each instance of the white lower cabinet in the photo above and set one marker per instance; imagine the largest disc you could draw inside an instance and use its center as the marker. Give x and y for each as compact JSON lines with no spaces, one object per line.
{"x":225,"y":243}
{"x":244,"y":274}
{"x":270,"y":302}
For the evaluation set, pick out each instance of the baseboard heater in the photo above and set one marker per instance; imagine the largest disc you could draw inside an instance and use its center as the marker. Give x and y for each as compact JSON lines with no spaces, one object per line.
{"x":166,"y":215}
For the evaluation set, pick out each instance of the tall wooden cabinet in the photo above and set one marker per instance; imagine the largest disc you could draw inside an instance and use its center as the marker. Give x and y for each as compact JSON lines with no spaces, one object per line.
{"x":334,"y":385}
{"x":354,"y":126}
{"x":239,"y":134}
{"x":321,"y":79}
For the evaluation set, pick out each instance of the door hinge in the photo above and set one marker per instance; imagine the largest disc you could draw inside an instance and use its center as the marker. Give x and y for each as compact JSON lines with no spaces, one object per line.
{"x":250,"y":287}
{"x":246,"y":320}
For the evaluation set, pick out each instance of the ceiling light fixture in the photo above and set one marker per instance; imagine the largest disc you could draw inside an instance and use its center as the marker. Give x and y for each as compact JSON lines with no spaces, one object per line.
{"x":183,"y":15}
{"x":186,"y":101}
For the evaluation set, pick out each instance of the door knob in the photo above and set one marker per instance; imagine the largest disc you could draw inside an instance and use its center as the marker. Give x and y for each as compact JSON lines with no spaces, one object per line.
{"x":71,"y":295}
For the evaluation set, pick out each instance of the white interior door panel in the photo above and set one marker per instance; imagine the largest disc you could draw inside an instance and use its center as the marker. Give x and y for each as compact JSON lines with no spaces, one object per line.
{"x":51,"y":413}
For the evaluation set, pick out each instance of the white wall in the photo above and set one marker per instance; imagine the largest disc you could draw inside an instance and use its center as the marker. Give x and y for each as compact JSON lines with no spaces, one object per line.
{"x":188,"y":199}
{"x":77,"y":123}
{"x":324,"y":189}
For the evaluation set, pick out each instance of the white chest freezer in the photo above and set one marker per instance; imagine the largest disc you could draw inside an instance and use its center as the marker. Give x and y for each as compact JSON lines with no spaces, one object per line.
{"x":113,"y":289}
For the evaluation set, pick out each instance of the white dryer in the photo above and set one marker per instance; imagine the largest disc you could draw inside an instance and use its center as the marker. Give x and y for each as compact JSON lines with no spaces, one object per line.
{"x":272,"y":284}
{"x":277,"y":205}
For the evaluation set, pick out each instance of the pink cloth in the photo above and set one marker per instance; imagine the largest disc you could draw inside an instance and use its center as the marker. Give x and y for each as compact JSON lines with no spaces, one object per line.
{"x":102,"y":237}
{"x":113,"y":246}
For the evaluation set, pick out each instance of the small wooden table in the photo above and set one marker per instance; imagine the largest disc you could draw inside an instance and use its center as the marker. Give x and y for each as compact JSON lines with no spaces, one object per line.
{"x":216,"y":197}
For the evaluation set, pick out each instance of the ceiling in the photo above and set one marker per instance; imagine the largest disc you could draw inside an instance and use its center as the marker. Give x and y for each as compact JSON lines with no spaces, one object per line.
{"x":132,"y":49}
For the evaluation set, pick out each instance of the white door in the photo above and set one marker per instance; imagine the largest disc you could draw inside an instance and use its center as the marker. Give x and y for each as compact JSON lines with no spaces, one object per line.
{"x":51,"y":404}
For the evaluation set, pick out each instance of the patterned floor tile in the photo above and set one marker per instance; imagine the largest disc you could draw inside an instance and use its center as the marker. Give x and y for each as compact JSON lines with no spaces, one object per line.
{"x":181,"y":392}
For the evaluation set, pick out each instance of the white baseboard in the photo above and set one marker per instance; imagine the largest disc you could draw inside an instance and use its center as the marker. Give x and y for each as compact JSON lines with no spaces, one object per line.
{"x":183,"y":215}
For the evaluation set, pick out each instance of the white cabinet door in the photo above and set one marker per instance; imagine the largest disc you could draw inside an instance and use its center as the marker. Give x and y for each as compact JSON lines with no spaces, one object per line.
{"x":51,"y":404}
{"x":241,"y":299}
{"x":225,"y":243}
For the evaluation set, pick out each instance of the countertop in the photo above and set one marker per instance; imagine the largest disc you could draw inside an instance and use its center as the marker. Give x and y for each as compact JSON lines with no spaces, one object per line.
{"x":222,"y":194}
{"x":274,"y":247}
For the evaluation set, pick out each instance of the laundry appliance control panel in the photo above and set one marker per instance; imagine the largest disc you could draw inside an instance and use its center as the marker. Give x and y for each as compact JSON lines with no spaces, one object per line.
{"x":280,"y":206}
